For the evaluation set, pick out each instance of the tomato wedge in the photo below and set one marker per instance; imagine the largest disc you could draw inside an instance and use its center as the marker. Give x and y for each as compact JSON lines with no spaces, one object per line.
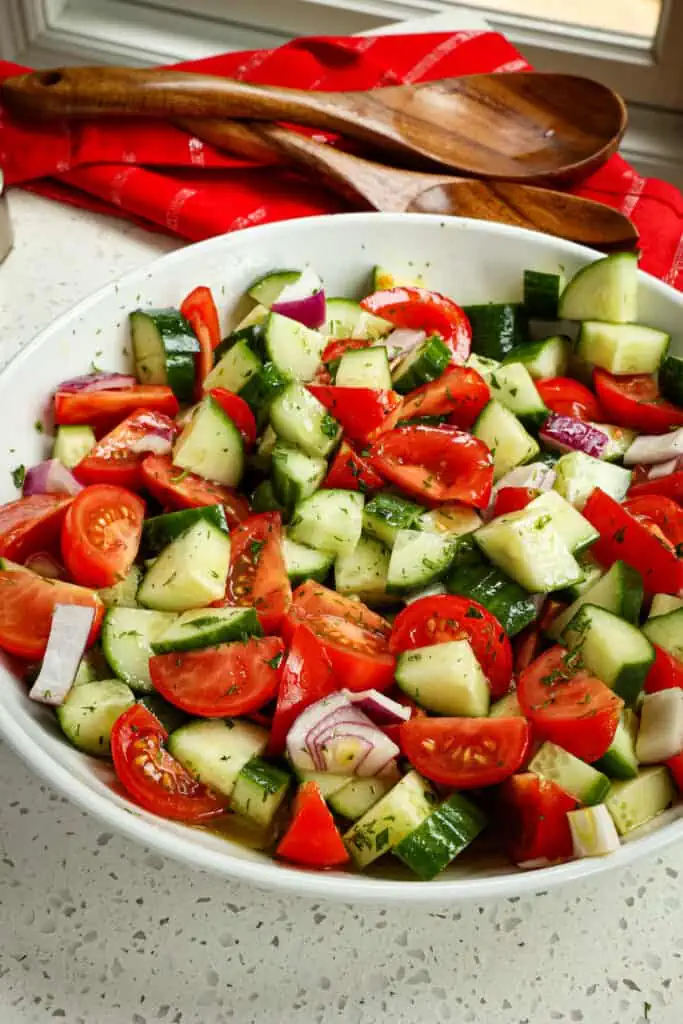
{"x":622,"y":536}
{"x":423,"y":310}
{"x":106,"y":408}
{"x":670,"y":486}
{"x":465,"y":753}
{"x":306,"y":676}
{"x":200,"y":310}
{"x":31,"y":524}
{"x":311,"y":598}
{"x":359,"y":411}
{"x":257,"y":576}
{"x":312,"y":838}
{"x":440,"y":619}
{"x":215,"y":682}
{"x":569,"y":706}
{"x":101,"y":535}
{"x":665,"y":673}
{"x":512,"y":499}
{"x":117,"y":458}
{"x":238,"y":411}
{"x":437,"y":464}
{"x":350,"y":472}
{"x":635,"y":401}
{"x":568,"y":397}
{"x":533,"y":822}
{"x":460,"y":393}
{"x":176,"y":488}
{"x":27,"y":602}
{"x":665,"y":513}
{"x":152,"y":776}
{"x":334,"y":350}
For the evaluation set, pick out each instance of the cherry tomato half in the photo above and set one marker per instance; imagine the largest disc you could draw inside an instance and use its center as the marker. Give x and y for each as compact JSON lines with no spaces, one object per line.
{"x":635,"y":401}
{"x":176,"y":488}
{"x":257,"y":576}
{"x":568,"y":397}
{"x":238,"y":411}
{"x":117,"y":458}
{"x":532,"y":819}
{"x":106,"y":408}
{"x":312,"y":838}
{"x":101,"y":535}
{"x":427,"y":311}
{"x":31,"y":524}
{"x":465,"y":753}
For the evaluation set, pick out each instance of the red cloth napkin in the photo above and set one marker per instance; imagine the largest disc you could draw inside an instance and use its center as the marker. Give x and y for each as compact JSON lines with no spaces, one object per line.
{"x":151,"y":172}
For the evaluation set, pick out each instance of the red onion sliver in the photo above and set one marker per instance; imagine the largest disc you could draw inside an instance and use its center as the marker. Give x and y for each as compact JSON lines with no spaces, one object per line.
{"x":102,"y":381}
{"x":310,"y":312}
{"x":65,"y":646}
{"x":334,"y":735}
{"x":382,"y":710}
{"x":661,"y":469}
{"x":50,"y":477}
{"x":569,"y":434}
{"x":650,"y":450}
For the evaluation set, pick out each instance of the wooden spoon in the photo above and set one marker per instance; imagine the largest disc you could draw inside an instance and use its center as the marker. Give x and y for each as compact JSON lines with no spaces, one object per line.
{"x":392,"y":190}
{"x":518,"y":125}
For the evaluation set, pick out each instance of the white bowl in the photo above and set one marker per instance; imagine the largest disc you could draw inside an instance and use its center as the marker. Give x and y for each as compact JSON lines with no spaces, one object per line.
{"x":469,"y":260}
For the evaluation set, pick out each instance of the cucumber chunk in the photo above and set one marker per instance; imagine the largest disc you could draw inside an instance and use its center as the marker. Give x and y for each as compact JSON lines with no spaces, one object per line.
{"x":330,"y":520}
{"x":267,"y":289}
{"x":354,"y":799}
{"x":425,"y":363}
{"x":363,"y":571}
{"x":575,"y":530}
{"x":419,"y":558}
{"x":507,"y":707}
{"x":124,"y":593}
{"x":592,"y":572}
{"x":294,"y":349}
{"x":164,"y":346}
{"x":215,"y":751}
{"x":303,"y":422}
{"x":619,"y":590}
{"x":542,"y":293}
{"x":263,"y":499}
{"x":619,"y":440}
{"x":365,"y":368}
{"x":88,"y":714}
{"x":234,"y":368}
{"x":211,"y":445}
{"x":472,"y":576}
{"x":159,"y":531}
{"x":528,"y":547}
{"x":261,"y":390}
{"x":383,"y":280}
{"x":72,"y":443}
{"x":455,"y":520}
{"x":295,"y":475}
{"x":327,"y":782}
{"x":206,"y":628}
{"x":448,"y":830}
{"x":604,"y":290}
{"x":259,"y":792}
{"x":512,"y":386}
{"x":170,"y":716}
{"x":622,"y":348}
{"x":509,"y":442}
{"x":611,"y":648}
{"x":575,"y":777}
{"x":391,"y":819}
{"x":634,"y":802}
{"x":546,"y":358}
{"x":497,"y":328}
{"x":578,"y":474}
{"x":484,"y":367}
{"x":304,"y":563}
{"x":445,"y":678}
{"x":670,"y":379}
{"x":127,"y":637}
{"x":662,"y":604}
{"x":666,"y":631}
{"x":190,"y":573}
{"x":385,"y":514}
{"x":620,"y":761}
{"x":347,"y":319}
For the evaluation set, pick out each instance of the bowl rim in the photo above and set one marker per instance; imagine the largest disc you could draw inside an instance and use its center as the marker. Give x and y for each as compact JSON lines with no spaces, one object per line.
{"x":275,"y":875}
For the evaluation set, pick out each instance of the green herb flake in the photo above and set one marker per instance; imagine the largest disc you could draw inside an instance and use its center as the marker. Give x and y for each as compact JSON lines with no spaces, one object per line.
{"x":382,"y":839}
{"x":618,"y":535}
{"x":39,"y":427}
{"x":18,"y":476}
{"x":274,"y":662}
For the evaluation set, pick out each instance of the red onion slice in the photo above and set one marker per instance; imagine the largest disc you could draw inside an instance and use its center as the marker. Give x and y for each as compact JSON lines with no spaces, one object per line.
{"x":333,"y":735}
{"x":651,"y":450}
{"x":303,"y":300}
{"x":69,"y":632}
{"x":45,"y":565}
{"x":569,"y":434}
{"x":101,"y":381}
{"x":50,"y":477}
{"x":380,"y":709}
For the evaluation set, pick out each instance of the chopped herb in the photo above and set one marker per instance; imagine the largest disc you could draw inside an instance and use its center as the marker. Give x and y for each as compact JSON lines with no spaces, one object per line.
{"x":255,"y":549}
{"x":382,"y":839}
{"x":94,"y":368}
{"x":513,"y":392}
{"x":473,"y":613}
{"x":329,"y":426}
{"x":646,"y":1010}
{"x":18,"y":476}
{"x":618,"y":536}
{"x":274,"y":662}
{"x":39,"y":426}
{"x":181,"y":476}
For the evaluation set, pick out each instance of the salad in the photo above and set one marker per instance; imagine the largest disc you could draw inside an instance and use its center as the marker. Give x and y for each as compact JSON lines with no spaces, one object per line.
{"x":370,"y":579}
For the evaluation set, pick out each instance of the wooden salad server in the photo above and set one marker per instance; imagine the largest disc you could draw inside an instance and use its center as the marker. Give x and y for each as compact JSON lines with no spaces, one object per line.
{"x":519,"y":126}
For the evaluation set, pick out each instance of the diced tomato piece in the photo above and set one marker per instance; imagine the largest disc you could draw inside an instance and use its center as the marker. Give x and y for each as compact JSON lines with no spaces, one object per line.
{"x":200,"y":310}
{"x":663,"y":512}
{"x":459,"y":393}
{"x":115,"y":459}
{"x":104,"y":409}
{"x":533,"y":821}
{"x":334,"y":350}
{"x":311,"y":598}
{"x":568,"y":397}
{"x":513,"y":499}
{"x":238,"y":411}
{"x":306,"y":676}
{"x":465,"y":753}
{"x":359,"y":411}
{"x":350,"y":472}
{"x":635,"y":401}
{"x":257,"y":576}
{"x":101,"y":535}
{"x":176,"y":488}
{"x":31,"y":524}
{"x":670,"y":486}
{"x":665,"y":672}
{"x":312,"y":839}
{"x":427,"y":311}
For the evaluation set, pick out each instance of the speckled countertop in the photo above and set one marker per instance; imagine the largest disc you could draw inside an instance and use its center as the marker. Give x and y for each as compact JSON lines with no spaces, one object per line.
{"x":97,"y":930}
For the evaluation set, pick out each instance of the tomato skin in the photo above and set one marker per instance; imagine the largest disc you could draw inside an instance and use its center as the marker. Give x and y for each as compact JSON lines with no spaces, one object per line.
{"x":459,"y":393}
{"x":666,"y":672}
{"x":223,"y":681}
{"x":106,"y":408}
{"x":238,"y":411}
{"x":427,"y":311}
{"x":669,"y":486}
{"x":311,"y":598}
{"x":31,"y":524}
{"x":359,"y":411}
{"x":27,"y":602}
{"x":113,"y":460}
{"x":445,"y":617}
{"x":533,"y":821}
{"x":140,"y":759}
{"x":350,"y":472}
{"x":334,"y":350}
{"x":622,"y":536}
{"x":675,"y":766}
{"x":437,"y":464}
{"x":257,"y":575}
{"x":568,"y":397}
{"x":513,"y":499}
{"x":465,"y":753}
{"x":200,"y":310}
{"x":568,"y":706}
{"x":634,"y":401}
{"x":312,"y":838}
{"x":177,"y":489}
{"x":664,"y":512}
{"x":98,"y":555}
{"x":306,"y":676}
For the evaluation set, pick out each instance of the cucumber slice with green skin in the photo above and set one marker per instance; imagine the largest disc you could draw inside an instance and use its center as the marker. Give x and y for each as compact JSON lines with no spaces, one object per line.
{"x":164,"y":346}
{"x":448,"y":830}
{"x":619,"y":590}
{"x":620,"y":761}
{"x":419,"y":558}
{"x":260,"y":790}
{"x":445,"y":678}
{"x":88,"y":714}
{"x":255,"y":316}
{"x":72,"y":443}
{"x":513,"y":387}
{"x":383,"y":280}
{"x":622,"y":348}
{"x":294,"y":349}
{"x":159,"y":531}
{"x":261,"y":390}
{"x":304,"y":563}
{"x":253,"y":334}
{"x":575,"y":777}
{"x":511,"y":445}
{"x":354,"y":799}
{"x":365,"y":368}
{"x":472,"y":576}
{"x":263,"y":499}
{"x":497,"y":328}
{"x":507,"y":707}
{"x":530,"y":549}
{"x":619,"y":440}
{"x":364,"y":572}
{"x":542,"y":293}
{"x":206,"y":628}
{"x":234,"y":368}
{"x":170,"y":717}
{"x":392,"y":818}
{"x":484,"y":367}
{"x":426,"y":363}
{"x":267,"y":289}
{"x":330,"y":520}
{"x":190,"y":573}
{"x":295,"y":475}
{"x":575,"y":530}
{"x":92,"y":666}
{"x":662,"y":604}
{"x":670,"y":379}
{"x":592,"y":572}
{"x":578,"y":474}
{"x":455,"y":520}
{"x":611,"y":648}
{"x":262,"y":459}
{"x":604,"y":290}
{"x":347,"y":319}
{"x":666,"y":631}
{"x":546,"y":358}
{"x":385,"y":514}
{"x":327,"y":782}
{"x":633,"y":803}
{"x":127,"y":637}
{"x":123,"y":594}
{"x":215,"y":751}
{"x":211,"y":445}
{"x":303,"y":422}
